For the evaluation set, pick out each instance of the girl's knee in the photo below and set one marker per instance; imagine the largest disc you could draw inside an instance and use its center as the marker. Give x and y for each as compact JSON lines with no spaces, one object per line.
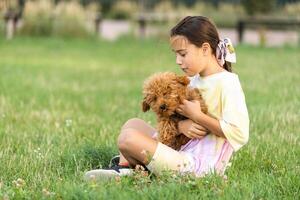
{"x":126,"y":139}
{"x":131,"y":123}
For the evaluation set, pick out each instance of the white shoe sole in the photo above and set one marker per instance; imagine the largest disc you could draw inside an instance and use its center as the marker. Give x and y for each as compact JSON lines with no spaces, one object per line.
{"x":105,"y":174}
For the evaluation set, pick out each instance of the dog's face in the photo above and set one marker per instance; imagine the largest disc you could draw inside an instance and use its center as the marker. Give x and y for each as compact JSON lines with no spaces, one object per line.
{"x":164,"y":92}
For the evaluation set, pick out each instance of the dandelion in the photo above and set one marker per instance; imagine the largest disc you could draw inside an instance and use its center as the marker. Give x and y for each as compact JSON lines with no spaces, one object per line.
{"x":68,"y":122}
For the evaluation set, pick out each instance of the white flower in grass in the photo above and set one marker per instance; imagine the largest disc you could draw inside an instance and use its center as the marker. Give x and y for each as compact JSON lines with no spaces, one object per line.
{"x":19,"y":183}
{"x":47,"y":193}
{"x":68,"y":122}
{"x":38,"y":153}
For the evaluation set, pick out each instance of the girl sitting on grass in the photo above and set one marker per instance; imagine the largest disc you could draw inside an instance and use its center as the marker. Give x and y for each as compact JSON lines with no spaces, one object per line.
{"x":205,"y":58}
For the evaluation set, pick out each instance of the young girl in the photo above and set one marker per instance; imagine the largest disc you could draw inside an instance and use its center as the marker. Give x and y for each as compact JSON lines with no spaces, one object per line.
{"x":205,"y":58}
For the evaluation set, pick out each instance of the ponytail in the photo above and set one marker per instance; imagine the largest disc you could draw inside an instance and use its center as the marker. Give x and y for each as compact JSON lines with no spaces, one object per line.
{"x":227,"y":66}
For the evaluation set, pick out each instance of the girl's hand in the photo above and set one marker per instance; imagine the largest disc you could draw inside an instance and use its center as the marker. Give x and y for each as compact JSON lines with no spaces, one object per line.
{"x":190,"y":109}
{"x":191,"y":129}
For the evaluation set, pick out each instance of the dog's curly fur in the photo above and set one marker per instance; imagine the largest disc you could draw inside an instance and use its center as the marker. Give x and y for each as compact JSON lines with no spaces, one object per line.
{"x":163,"y":93}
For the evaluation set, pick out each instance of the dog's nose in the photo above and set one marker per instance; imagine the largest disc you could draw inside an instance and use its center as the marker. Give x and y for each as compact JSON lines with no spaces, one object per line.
{"x":163,"y":107}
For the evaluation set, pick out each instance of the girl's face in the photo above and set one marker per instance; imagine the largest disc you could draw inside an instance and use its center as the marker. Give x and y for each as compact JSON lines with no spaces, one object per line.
{"x":189,"y":57}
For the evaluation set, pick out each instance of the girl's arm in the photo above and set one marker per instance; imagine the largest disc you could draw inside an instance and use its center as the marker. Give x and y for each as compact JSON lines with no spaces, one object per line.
{"x":212,"y":124}
{"x":191,"y":109}
{"x":234,"y":125}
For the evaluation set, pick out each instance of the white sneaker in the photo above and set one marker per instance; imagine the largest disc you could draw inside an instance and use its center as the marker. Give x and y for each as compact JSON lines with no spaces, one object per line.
{"x":104,"y":174}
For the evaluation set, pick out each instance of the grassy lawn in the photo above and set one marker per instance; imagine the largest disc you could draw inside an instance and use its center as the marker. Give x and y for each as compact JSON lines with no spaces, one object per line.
{"x":62,"y":103}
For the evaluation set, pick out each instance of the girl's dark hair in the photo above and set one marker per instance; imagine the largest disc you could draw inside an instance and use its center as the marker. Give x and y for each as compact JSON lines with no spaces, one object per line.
{"x":199,"y":29}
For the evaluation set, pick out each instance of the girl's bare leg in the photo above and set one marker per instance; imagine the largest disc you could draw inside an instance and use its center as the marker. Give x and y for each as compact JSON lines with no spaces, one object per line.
{"x":139,"y":132}
{"x":136,"y":147}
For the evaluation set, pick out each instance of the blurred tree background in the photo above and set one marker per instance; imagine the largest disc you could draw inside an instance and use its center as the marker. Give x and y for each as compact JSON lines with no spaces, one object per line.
{"x":79,"y":18}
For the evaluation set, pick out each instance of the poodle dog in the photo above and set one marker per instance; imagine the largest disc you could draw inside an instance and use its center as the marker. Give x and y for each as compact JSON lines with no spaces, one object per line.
{"x":163,"y":93}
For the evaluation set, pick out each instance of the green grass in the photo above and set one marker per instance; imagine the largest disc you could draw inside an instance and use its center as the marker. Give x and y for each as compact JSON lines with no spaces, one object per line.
{"x":62,"y":103}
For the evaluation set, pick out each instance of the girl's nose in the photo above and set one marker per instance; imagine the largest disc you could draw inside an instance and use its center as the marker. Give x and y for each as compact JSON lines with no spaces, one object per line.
{"x":178,"y":60}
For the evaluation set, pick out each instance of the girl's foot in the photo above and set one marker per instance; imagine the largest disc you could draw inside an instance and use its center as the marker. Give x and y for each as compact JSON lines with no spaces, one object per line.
{"x":108,"y":173}
{"x":113,"y":170}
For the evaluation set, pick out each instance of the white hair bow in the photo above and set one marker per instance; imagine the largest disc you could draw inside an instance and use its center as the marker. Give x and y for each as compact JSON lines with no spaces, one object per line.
{"x":225,"y":52}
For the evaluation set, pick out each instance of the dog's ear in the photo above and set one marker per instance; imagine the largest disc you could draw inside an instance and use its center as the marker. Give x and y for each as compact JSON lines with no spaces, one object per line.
{"x":145,"y":105}
{"x":183,"y":80}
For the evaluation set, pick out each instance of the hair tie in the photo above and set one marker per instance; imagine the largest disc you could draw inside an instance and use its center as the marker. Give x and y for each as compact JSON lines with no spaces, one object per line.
{"x":225,"y":52}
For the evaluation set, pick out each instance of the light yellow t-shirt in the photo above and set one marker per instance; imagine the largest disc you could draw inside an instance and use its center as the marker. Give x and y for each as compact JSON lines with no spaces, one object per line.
{"x":225,"y":100}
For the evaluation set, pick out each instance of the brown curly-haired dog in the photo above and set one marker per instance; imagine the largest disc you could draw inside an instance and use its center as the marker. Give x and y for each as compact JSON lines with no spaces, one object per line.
{"x":163,"y":93}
